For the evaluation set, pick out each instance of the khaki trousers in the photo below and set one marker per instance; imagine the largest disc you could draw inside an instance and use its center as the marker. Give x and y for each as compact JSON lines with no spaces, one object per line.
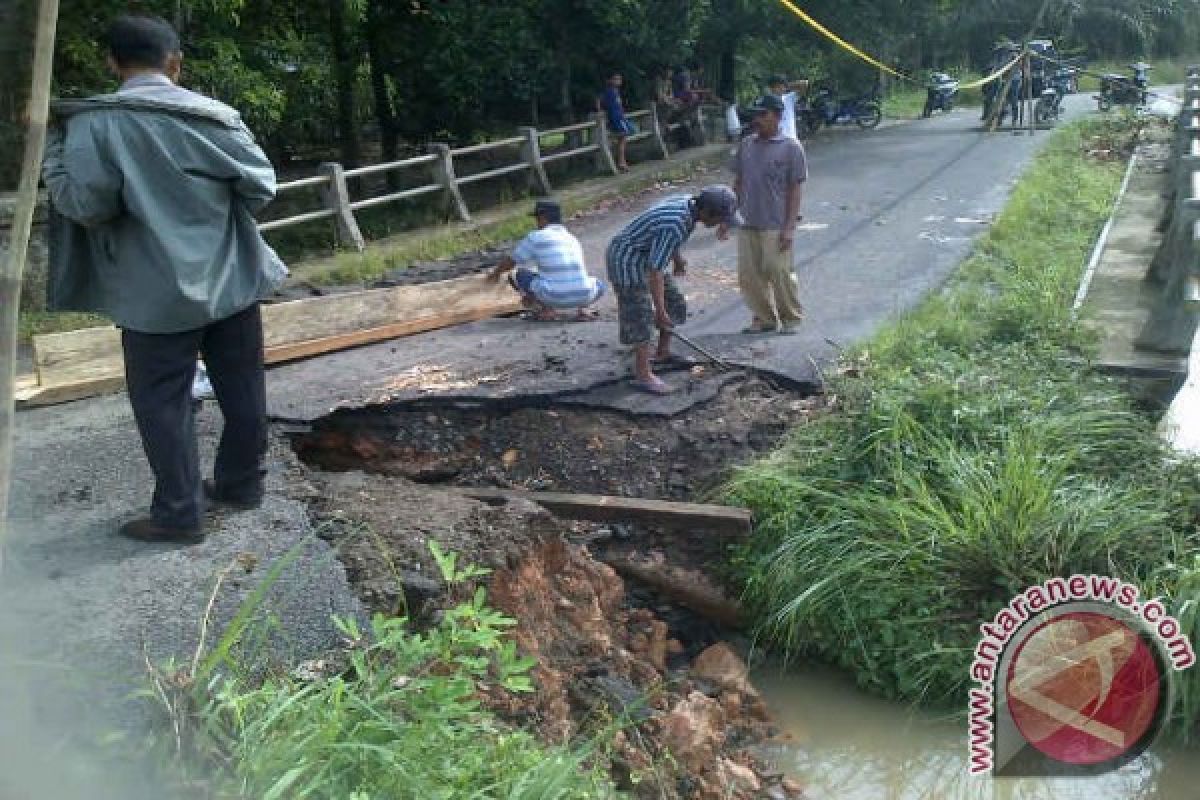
{"x":767,"y":278}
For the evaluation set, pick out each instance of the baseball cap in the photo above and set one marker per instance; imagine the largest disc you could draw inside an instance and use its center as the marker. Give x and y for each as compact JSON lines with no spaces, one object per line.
{"x":768,"y":102}
{"x":548,"y":209}
{"x":720,"y":200}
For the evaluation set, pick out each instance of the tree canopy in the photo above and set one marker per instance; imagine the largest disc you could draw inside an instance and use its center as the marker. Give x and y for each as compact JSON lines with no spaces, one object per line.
{"x":317,"y":78}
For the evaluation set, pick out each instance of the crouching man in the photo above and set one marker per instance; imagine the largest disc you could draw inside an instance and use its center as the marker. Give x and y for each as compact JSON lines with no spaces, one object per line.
{"x":638,"y":257}
{"x":560,"y":281}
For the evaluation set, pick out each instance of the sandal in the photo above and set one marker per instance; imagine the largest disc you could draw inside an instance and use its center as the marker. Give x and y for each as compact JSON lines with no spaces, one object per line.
{"x":655,"y":385}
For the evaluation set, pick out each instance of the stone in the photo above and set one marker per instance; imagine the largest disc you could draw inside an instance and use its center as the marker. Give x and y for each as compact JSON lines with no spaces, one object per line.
{"x":693,"y":730}
{"x":720,"y":665}
{"x":739,"y":777}
{"x":793,"y":787}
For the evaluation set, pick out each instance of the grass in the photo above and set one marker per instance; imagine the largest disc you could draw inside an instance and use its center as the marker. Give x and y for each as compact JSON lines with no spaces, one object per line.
{"x":972,"y":454}
{"x":33,"y":323}
{"x":402,"y":719}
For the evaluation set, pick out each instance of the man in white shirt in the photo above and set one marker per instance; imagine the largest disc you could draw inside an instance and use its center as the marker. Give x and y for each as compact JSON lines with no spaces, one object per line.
{"x":560,"y":280}
{"x":787,"y":92}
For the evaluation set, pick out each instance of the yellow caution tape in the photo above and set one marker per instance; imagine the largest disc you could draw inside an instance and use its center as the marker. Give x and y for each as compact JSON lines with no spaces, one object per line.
{"x":833,"y":37}
{"x":994,"y":75}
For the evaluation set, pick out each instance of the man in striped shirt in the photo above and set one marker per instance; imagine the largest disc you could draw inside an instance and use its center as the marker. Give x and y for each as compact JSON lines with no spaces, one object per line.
{"x":560,"y":280}
{"x":647,"y":297}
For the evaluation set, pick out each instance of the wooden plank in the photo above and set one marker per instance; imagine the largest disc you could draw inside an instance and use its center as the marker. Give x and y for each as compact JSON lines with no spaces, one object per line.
{"x":609,"y":508}
{"x":35,"y":396}
{"x":67,"y":364}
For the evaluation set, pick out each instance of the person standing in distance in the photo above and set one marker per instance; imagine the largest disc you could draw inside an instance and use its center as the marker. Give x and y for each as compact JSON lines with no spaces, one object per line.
{"x":155,"y":188}
{"x":769,"y":174}
{"x":790,"y":95}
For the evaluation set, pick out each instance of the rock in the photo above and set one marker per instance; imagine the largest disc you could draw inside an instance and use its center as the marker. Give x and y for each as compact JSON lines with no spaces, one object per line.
{"x":693,"y":730}
{"x":793,"y":787}
{"x":739,"y":777}
{"x":719,"y":664}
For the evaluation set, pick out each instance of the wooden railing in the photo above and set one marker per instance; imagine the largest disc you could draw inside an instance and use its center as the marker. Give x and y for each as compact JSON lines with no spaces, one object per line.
{"x":442,"y":161}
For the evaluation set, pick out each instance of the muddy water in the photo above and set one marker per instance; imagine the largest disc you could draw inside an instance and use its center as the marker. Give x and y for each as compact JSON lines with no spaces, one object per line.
{"x":848,"y":745}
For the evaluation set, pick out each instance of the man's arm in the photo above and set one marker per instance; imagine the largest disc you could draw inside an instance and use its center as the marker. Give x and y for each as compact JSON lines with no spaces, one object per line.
{"x":83,"y":187}
{"x":506,"y":265}
{"x":255,"y":180}
{"x":657,"y":281}
{"x":791,"y":210}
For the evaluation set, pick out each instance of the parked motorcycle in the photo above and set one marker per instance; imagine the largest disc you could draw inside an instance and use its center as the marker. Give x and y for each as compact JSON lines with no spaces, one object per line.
{"x":940,"y":94}
{"x":826,"y":109}
{"x":1121,"y":90}
{"x":1049,"y":103}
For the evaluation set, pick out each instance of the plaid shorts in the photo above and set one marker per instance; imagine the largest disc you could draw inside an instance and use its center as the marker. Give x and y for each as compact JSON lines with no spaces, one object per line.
{"x":635,"y":311}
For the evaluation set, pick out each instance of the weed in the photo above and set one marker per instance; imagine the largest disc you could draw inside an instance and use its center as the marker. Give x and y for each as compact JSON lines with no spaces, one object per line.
{"x":973,"y":455}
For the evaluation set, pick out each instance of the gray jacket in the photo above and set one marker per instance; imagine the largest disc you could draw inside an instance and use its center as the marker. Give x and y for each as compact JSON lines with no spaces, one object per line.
{"x":153,"y":193}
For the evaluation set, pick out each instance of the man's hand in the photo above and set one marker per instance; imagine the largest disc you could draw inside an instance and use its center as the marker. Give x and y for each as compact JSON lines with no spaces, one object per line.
{"x":785,"y":240}
{"x":494,"y":275}
{"x":681,"y":266}
{"x":663,"y":320}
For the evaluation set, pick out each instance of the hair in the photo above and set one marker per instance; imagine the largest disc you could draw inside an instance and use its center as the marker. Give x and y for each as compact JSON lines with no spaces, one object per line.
{"x":136,"y":40}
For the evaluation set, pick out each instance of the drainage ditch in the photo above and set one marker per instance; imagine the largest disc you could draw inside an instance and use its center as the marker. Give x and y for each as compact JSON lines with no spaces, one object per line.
{"x":626,"y":621}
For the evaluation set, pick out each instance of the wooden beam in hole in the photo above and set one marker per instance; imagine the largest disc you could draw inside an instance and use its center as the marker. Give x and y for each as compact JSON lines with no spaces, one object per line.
{"x":609,"y":508}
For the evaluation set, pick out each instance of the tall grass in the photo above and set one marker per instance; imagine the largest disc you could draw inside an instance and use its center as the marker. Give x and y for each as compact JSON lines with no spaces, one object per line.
{"x":973,"y":455}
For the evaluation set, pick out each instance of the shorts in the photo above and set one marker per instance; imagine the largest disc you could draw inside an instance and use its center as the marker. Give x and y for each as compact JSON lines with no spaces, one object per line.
{"x":622,"y":127}
{"x":635,"y":311}
{"x":525,"y":281}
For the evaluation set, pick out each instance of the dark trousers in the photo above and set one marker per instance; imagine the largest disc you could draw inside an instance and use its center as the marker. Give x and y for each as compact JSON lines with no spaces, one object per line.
{"x":159,"y":369}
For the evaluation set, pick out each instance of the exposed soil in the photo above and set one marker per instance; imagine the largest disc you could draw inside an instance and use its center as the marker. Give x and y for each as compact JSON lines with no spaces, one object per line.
{"x":626,"y":621}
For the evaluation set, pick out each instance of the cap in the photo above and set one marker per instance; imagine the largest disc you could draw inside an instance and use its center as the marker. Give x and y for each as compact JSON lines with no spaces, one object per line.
{"x":548,"y":209}
{"x":719,"y":199}
{"x":768,"y":102}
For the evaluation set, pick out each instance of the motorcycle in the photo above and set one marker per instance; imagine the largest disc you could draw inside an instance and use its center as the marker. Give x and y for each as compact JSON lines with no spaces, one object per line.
{"x":1120,"y":90}
{"x":827,"y":110}
{"x":1049,"y":103}
{"x":940,"y":94}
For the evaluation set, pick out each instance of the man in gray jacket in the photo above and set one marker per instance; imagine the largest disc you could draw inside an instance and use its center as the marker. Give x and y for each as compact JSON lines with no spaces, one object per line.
{"x":154,"y":190}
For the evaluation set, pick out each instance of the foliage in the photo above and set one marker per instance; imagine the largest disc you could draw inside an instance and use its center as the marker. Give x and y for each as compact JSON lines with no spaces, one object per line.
{"x":973,"y":455}
{"x":403,"y":719}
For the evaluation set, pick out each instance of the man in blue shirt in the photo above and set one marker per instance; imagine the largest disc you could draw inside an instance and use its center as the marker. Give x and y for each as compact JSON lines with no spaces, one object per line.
{"x":618,"y":123}
{"x":560,"y":280}
{"x":638,"y":257}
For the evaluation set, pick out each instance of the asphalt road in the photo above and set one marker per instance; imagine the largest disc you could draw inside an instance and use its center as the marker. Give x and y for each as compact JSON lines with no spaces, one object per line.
{"x":888,"y":214}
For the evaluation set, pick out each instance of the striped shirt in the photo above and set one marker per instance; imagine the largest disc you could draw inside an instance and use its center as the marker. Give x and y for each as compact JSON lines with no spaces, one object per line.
{"x":562,"y":280}
{"x":649,"y":242}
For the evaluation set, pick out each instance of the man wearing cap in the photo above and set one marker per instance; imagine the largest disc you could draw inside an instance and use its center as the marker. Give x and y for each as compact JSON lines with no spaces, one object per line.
{"x":560,"y":280}
{"x":637,"y":259}
{"x":769,"y":172}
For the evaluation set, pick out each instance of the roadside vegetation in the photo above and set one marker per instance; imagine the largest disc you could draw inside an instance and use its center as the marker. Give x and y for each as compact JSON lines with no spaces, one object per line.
{"x":907,"y":100}
{"x":397,"y":716}
{"x":970,"y":454}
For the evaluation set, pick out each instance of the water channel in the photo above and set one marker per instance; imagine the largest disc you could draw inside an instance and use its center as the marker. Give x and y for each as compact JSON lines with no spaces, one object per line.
{"x":844,"y":744}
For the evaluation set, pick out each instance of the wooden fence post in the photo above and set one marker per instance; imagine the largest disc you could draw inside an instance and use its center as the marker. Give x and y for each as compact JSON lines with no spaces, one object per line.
{"x":336,"y":196}
{"x":656,"y":129}
{"x":443,"y":173}
{"x":604,"y":156}
{"x":531,"y":151}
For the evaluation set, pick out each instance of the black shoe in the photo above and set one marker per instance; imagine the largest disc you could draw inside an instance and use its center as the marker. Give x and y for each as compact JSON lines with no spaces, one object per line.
{"x":226,"y":500}
{"x":147,"y":530}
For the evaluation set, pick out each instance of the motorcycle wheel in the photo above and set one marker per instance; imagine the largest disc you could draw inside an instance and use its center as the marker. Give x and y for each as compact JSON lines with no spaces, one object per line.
{"x":869,"y":116}
{"x":1042,"y":112}
{"x":1104,"y":104}
{"x":927,"y":112}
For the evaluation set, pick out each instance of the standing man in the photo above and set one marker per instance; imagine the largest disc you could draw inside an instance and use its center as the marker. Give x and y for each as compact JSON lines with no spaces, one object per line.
{"x":647,"y":297}
{"x":156,"y":188}
{"x":769,"y":172}
{"x":789,"y":94}
{"x":620,"y":125}
{"x":560,"y":280}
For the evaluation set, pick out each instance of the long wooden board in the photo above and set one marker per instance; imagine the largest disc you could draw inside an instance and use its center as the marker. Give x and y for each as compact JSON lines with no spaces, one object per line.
{"x":88,"y":362}
{"x":609,"y":508}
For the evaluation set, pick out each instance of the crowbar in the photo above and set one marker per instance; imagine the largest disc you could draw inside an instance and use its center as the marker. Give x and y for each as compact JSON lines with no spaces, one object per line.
{"x":707,"y":354}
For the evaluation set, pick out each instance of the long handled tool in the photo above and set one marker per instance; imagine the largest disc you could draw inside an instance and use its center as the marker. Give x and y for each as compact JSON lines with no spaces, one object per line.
{"x":18,"y":244}
{"x":707,"y":354}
